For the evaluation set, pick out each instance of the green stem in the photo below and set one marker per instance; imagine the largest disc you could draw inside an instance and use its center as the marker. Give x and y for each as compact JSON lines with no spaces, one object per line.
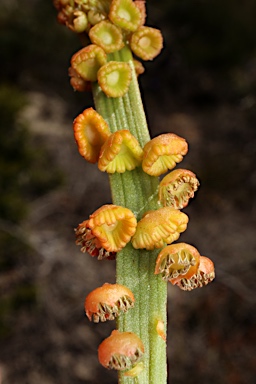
{"x":135,"y":268}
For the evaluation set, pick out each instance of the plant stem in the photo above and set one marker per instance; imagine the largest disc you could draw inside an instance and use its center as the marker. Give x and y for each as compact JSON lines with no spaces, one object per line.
{"x":135,"y":268}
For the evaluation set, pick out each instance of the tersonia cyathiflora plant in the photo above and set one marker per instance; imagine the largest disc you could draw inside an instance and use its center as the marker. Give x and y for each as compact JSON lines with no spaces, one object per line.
{"x":141,"y":225}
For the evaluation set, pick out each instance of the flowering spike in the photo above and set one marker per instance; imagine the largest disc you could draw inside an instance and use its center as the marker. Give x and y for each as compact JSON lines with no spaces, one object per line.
{"x":91,"y":131}
{"x":146,"y":42}
{"x":107,"y":302}
{"x":177,"y":261}
{"x":120,"y":153}
{"x":159,"y":227}
{"x":87,"y":61}
{"x":120,"y":351}
{"x":162,"y":153}
{"x":77,"y":82}
{"x":177,"y":188}
{"x":113,"y":226}
{"x":90,"y":243}
{"x":114,"y":78}
{"x":125,"y":14}
{"x":107,"y":35}
{"x":204,"y":276}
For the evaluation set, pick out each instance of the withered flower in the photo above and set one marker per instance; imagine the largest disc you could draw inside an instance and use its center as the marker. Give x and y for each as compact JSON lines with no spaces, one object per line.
{"x":120,"y":351}
{"x":204,"y":276}
{"x":176,"y":261}
{"x":177,"y":188}
{"x":107,"y":302}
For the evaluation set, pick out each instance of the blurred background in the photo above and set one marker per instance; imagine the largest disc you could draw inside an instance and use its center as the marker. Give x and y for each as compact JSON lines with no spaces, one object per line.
{"x":202,"y":87}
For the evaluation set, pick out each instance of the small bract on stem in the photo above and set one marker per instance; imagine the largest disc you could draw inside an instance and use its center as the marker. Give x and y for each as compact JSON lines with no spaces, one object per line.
{"x":139,"y":229}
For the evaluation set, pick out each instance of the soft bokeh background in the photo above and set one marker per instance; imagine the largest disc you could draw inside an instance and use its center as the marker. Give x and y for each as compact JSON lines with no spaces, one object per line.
{"x":201,"y":87}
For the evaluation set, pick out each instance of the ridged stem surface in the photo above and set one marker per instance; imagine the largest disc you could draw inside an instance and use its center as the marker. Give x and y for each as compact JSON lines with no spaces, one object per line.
{"x":135,"y":268}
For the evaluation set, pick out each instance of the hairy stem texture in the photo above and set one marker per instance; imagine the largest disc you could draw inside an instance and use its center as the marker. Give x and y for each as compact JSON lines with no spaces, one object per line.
{"x":135,"y":268}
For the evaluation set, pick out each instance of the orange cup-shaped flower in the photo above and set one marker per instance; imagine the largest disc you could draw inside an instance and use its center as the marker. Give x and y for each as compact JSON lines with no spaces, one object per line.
{"x":88,"y":61}
{"x":120,"y":351}
{"x":146,"y":42}
{"x":125,"y":14}
{"x":121,"y":152}
{"x":113,"y":226}
{"x":91,"y":131}
{"x":177,"y":188}
{"x":114,"y":78}
{"x":90,"y":243}
{"x":204,"y":276}
{"x":107,"y":35}
{"x":159,"y":227}
{"x":176,"y":261}
{"x":107,"y":302}
{"x":162,"y":153}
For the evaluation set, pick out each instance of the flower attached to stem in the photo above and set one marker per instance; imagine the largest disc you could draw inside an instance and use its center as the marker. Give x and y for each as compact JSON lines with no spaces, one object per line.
{"x":120,"y":351}
{"x":162,"y":153}
{"x":121,"y":152}
{"x":177,"y":188}
{"x":159,"y":227}
{"x":110,"y":225}
{"x":177,"y":261}
{"x":88,"y":61}
{"x":107,"y":35}
{"x":107,"y":302}
{"x":125,"y":14}
{"x":204,"y":276}
{"x":77,"y":82}
{"x":114,"y":78}
{"x":146,"y":42}
{"x":91,"y":131}
{"x":90,"y":243}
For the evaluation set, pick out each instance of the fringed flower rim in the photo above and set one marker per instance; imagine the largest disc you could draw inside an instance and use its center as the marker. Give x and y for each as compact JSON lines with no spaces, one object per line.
{"x":176,"y":261}
{"x":90,"y":243}
{"x":120,"y":351}
{"x":107,"y":302}
{"x":204,"y":276}
{"x":177,"y":188}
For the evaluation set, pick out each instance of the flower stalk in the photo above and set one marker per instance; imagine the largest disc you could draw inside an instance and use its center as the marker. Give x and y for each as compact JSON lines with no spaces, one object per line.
{"x":135,"y":267}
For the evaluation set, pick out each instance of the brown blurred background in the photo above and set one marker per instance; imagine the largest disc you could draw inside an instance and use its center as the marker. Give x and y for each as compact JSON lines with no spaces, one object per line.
{"x":201,"y":87}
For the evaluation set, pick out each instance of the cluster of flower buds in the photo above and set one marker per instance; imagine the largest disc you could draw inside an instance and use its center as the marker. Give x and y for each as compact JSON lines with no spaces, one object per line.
{"x":109,"y":25}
